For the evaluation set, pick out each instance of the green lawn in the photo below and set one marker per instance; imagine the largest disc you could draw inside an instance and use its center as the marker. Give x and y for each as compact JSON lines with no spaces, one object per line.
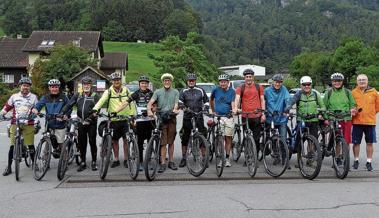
{"x":1,"y":26}
{"x":139,"y":62}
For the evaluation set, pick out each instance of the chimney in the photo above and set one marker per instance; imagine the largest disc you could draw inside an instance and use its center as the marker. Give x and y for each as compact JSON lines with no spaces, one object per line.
{"x":19,"y":36}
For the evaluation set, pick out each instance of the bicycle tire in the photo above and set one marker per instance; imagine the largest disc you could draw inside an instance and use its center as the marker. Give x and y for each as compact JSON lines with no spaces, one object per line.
{"x":272,"y":159}
{"x":17,"y":157}
{"x":64,"y":159}
{"x":133,"y":157}
{"x":289,"y":141}
{"x":307,"y":169}
{"x":151,"y":158}
{"x":197,"y":152}
{"x":219,"y":154}
{"x":105,"y":155}
{"x":262,"y":143}
{"x":41,"y":163}
{"x":210,"y":140}
{"x":345,"y":158}
{"x":250,"y":154}
{"x":236,"y":146}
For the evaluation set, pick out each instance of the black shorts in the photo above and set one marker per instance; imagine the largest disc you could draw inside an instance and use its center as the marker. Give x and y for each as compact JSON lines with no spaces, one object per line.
{"x":120,"y":128}
{"x":185,"y":132}
{"x":368,"y":130}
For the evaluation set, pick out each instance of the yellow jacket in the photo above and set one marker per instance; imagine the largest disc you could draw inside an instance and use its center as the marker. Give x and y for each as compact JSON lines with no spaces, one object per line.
{"x":368,"y":101}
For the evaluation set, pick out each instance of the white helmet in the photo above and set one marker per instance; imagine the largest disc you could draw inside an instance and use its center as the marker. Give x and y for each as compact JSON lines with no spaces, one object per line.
{"x":305,"y":79}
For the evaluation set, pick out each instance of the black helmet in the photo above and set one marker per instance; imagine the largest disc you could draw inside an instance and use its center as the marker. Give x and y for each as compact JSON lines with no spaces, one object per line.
{"x":278,"y":77}
{"x":143,"y":78}
{"x":86,"y":80}
{"x":191,"y":76}
{"x":25,"y":80}
{"x":248,"y":71}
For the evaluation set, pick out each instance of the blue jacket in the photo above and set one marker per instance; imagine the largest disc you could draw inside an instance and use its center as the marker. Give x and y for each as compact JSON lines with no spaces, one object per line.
{"x":277,"y":100}
{"x":53,"y":105}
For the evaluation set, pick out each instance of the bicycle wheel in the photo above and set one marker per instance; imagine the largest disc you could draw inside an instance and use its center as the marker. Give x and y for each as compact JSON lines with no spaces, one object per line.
{"x":236,"y":146}
{"x":64,"y":159}
{"x":341,"y":158}
{"x":197,"y":155}
{"x":42,"y":158}
{"x":105,"y":155}
{"x":289,"y":142}
{"x":28,"y":159}
{"x":276,"y":159}
{"x":74,"y":154}
{"x":219,"y":154}
{"x":151,"y":158}
{"x":17,"y":157}
{"x":250,"y":155}
{"x":133,"y":157}
{"x":210,"y":140}
{"x":309,"y":157}
{"x":262,"y":143}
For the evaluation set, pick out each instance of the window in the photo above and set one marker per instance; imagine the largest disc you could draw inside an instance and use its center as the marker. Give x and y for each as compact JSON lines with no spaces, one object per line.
{"x":8,"y":78}
{"x":51,"y":43}
{"x":44,"y":42}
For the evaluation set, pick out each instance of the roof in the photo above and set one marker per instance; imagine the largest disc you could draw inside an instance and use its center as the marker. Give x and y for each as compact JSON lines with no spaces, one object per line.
{"x":43,"y":40}
{"x":11,"y":55}
{"x":98,"y":72}
{"x":114,"y":60}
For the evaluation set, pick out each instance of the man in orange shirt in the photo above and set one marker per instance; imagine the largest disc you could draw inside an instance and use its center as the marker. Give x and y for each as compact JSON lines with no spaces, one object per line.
{"x":364,"y":121}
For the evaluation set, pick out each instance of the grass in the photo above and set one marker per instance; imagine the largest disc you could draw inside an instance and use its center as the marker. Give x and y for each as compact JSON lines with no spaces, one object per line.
{"x":138,"y":60}
{"x":1,"y":26}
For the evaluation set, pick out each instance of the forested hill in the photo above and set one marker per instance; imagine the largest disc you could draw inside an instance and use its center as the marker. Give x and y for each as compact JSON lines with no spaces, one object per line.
{"x":272,"y":32}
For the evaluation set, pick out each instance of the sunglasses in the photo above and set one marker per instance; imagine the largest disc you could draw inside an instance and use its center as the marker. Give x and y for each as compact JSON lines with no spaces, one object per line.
{"x":306,"y":84}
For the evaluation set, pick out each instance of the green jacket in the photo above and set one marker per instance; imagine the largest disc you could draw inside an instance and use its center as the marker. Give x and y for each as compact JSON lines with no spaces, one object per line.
{"x":339,"y":99}
{"x":308,"y":104}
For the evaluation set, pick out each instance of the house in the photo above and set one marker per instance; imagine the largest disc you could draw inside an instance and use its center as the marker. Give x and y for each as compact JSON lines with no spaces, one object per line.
{"x":237,"y":70}
{"x":13,"y":61}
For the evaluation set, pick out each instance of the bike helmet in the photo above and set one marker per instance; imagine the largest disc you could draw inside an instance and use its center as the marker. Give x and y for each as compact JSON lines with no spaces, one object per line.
{"x":167,"y":76}
{"x":86,"y":80}
{"x":223,"y":77}
{"x":54,"y":82}
{"x":143,"y":78}
{"x":278,"y":77}
{"x":248,"y":71}
{"x":115,"y":76}
{"x":305,"y":79}
{"x":25,"y":80}
{"x":191,"y":76}
{"x":337,"y":76}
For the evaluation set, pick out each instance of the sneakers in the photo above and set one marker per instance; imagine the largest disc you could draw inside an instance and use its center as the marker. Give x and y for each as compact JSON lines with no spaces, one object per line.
{"x":94,"y":166}
{"x":355,"y":165}
{"x":228,"y":162}
{"x":162,"y":168}
{"x":82,"y":167}
{"x":125,"y":163}
{"x":7,"y":171}
{"x":115,"y":164}
{"x":183,"y":163}
{"x":172,"y":165}
{"x":369,"y":167}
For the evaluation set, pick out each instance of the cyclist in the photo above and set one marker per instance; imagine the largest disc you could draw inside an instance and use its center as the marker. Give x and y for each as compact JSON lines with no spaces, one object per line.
{"x":250,"y":97}
{"x":145,"y":124}
{"x":167,"y":99}
{"x":54,"y":103}
{"x":222,"y":102}
{"x":22,"y":102}
{"x":364,"y":122}
{"x":84,"y":102}
{"x":194,"y":98}
{"x":116,"y":95}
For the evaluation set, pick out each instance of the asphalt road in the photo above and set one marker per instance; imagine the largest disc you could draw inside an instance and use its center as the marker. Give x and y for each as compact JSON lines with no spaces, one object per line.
{"x":178,"y":194}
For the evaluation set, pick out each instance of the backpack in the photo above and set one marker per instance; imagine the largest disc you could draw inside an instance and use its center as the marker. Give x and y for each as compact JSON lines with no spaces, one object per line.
{"x":110,"y":96}
{"x":257,"y":86}
{"x":298,"y":96}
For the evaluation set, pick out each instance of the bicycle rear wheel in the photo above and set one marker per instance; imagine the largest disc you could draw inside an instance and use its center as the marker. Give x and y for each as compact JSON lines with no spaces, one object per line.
{"x":64,"y":159}
{"x":250,"y":155}
{"x":262,"y":143}
{"x":341,"y":158}
{"x":236,"y":146}
{"x":275,"y":159}
{"x":219,"y":154}
{"x":105,"y":155}
{"x":28,"y":159}
{"x":197,"y":155}
{"x":211,"y":141}
{"x":151,"y":158}
{"x":17,"y":157}
{"x":42,"y":158}
{"x":309,"y":157}
{"x":133,"y":157}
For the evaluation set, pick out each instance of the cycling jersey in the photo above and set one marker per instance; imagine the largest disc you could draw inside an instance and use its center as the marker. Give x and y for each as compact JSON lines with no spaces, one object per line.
{"x":194,"y":99}
{"x":339,"y":99}
{"x":22,"y":104}
{"x":84,"y":104}
{"x":141,"y":98}
{"x":53,"y":105}
{"x":308,"y":103}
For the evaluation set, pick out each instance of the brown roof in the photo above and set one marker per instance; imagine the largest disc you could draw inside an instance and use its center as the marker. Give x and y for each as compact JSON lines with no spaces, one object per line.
{"x":11,"y":54}
{"x":90,"y":40}
{"x":97,"y":71}
{"x":114,"y":60}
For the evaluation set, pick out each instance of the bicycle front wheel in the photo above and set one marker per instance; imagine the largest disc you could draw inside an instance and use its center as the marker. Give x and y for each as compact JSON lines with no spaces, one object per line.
{"x":236,"y":146}
{"x":219,"y":154}
{"x":275,"y":158}
{"x":105,"y":156}
{"x":251,"y":155}
{"x":151,"y":158}
{"x":197,"y":155}
{"x":262,"y":143}
{"x":309,"y":157}
{"x":64,"y":159}
{"x":17,"y":157}
{"x":133,"y":157}
{"x":211,"y":141}
{"x":341,"y":157}
{"x":42,"y":158}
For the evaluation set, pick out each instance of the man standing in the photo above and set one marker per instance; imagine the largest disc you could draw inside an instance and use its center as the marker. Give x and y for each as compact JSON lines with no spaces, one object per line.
{"x":87,"y":128}
{"x":365,"y":120}
{"x":222,"y":103}
{"x":193,"y":98}
{"x":167,"y":99}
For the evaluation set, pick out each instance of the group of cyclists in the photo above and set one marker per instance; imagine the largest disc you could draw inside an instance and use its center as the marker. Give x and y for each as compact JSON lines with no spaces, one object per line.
{"x":255,"y":104}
